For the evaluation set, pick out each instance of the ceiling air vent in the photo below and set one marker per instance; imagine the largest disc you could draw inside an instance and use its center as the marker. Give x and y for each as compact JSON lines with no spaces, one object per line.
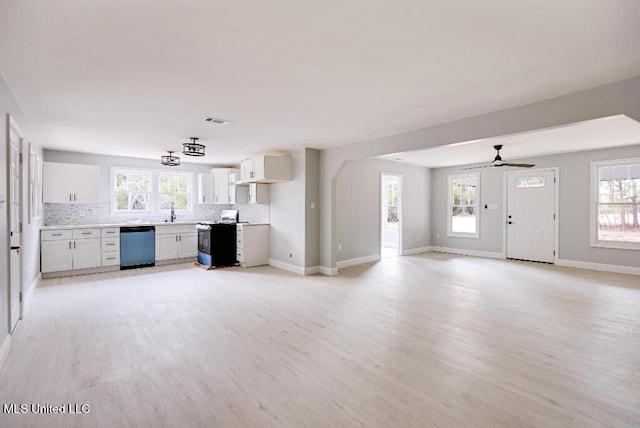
{"x":218,"y":121}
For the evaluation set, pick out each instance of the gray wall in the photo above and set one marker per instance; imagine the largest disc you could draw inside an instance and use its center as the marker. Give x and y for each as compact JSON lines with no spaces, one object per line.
{"x":616,"y":98}
{"x":287,"y":216}
{"x":312,"y":166}
{"x":574,"y":195}
{"x":31,"y":228}
{"x":358,"y":207}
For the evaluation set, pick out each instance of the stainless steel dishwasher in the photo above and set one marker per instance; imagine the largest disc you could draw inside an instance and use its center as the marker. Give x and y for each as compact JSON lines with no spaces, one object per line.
{"x":137,"y":247}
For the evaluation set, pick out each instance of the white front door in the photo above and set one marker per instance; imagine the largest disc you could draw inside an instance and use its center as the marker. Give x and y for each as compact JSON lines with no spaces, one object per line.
{"x":531,"y":215}
{"x":15,"y":212}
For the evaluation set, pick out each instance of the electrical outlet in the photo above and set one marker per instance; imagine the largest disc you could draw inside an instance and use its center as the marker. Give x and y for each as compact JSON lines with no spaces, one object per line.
{"x":339,"y":247}
{"x":313,"y":205}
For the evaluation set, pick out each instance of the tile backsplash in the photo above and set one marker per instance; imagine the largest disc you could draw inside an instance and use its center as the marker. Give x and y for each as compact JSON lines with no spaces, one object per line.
{"x":66,"y":214}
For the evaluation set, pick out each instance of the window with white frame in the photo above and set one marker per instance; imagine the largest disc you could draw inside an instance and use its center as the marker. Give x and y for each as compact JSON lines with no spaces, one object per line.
{"x":615,"y":210}
{"x":174,"y":188}
{"x":132,"y":191}
{"x":463,"y":199}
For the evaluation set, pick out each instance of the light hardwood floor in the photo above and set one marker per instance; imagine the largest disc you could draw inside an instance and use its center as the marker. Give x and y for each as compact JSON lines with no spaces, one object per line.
{"x":429,"y":340}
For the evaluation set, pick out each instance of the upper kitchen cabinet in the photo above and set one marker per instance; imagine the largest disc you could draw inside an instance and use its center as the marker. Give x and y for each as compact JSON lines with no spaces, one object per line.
{"x":206,"y":189}
{"x":221,"y":185}
{"x":71,"y":183}
{"x":266,"y":169}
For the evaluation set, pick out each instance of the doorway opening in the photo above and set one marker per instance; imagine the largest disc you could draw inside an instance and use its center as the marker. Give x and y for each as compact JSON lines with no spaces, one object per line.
{"x":390,"y":215}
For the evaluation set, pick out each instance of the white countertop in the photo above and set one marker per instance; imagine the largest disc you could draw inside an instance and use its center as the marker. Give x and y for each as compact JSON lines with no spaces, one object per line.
{"x":132,"y":224}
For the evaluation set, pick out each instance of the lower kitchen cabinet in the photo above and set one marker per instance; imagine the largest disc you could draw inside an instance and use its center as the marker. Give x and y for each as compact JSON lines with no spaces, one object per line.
{"x":176,"y":242}
{"x":63,"y":250}
{"x":56,"y":256}
{"x":252,"y":244}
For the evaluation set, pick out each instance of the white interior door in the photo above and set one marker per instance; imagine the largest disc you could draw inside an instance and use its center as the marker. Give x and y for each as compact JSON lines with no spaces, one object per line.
{"x":531,"y":215}
{"x":15,"y":227}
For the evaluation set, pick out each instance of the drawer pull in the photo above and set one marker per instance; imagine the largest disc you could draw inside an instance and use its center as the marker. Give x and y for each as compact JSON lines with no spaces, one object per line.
{"x":56,"y":234}
{"x":86,"y":233}
{"x":111,"y":258}
{"x":110,"y":232}
{"x":110,"y":244}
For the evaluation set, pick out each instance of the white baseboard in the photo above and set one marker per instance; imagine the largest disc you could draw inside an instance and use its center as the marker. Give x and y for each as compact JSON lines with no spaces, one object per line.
{"x":286,"y":266}
{"x":599,"y":266}
{"x":326,"y":270}
{"x":413,"y":251}
{"x":4,"y":350}
{"x":473,"y":253}
{"x":312,"y":270}
{"x":357,"y":261}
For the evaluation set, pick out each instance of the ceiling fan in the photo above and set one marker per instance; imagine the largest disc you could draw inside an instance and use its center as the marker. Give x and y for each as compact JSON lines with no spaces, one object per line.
{"x":497,"y":161}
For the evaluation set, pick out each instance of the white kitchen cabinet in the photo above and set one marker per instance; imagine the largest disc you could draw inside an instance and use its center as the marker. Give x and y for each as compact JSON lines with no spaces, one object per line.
{"x":110,"y":246}
{"x":56,"y":256}
{"x":176,"y":242}
{"x":221,"y":185}
{"x":66,"y":249}
{"x":267,"y":169}
{"x":188,"y":245}
{"x":71,"y":183}
{"x":87,"y":253}
{"x":252,"y":244}
{"x":206,"y":189}
{"x":258,"y":193}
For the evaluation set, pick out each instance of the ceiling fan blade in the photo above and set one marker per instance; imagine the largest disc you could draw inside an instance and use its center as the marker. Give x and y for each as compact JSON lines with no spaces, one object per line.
{"x":519,"y":165}
{"x":476,"y":167}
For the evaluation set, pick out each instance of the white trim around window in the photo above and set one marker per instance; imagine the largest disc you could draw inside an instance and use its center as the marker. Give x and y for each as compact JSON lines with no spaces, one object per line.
{"x":469,"y":228}
{"x":597,"y":167}
{"x":153,"y":202}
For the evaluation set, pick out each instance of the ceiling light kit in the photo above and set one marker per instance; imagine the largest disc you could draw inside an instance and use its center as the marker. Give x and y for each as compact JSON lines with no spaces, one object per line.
{"x":193,"y":148}
{"x":170,"y":159}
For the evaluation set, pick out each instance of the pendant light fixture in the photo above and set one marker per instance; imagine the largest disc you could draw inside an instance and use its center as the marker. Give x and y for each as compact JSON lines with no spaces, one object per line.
{"x":193,"y":148}
{"x":170,"y":159}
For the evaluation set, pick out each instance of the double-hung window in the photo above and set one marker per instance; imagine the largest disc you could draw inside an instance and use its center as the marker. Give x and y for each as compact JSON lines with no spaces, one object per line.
{"x":132,"y":191}
{"x":615,"y":207}
{"x":175,"y":188}
{"x":462,"y":210}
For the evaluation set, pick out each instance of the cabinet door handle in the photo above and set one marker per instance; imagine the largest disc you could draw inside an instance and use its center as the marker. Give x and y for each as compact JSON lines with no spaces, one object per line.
{"x":70,"y":197}
{"x":69,"y":244}
{"x":74,"y":245}
{"x":176,"y":238}
{"x":180,"y":238}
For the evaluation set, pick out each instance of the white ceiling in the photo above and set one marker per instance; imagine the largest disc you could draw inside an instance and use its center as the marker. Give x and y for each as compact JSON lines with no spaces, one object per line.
{"x":136,"y":78}
{"x":614,"y":131}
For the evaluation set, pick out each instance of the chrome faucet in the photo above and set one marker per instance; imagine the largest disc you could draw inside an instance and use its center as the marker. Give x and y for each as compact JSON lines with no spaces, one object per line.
{"x":173,"y":212}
